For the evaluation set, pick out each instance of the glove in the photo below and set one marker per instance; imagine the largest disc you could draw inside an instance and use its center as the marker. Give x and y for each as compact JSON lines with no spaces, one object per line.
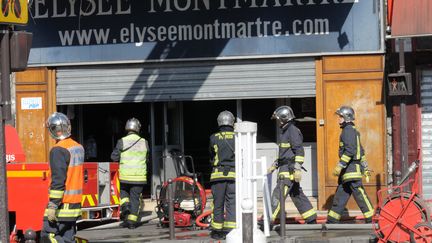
{"x":297,"y":172}
{"x":366,"y":171}
{"x":367,"y":174}
{"x":297,"y":175}
{"x":337,"y":170}
{"x":51,"y":214}
{"x":273,"y":167}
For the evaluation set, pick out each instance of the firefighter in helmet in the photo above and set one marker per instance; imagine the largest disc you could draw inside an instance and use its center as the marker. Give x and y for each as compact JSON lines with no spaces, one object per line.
{"x":66,"y":182}
{"x":132,"y":153}
{"x":289,"y":163}
{"x":222,"y":145}
{"x":350,"y":169}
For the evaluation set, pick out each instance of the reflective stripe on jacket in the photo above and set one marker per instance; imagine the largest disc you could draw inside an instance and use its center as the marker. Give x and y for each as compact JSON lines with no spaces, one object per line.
{"x":290,"y":145}
{"x":222,"y":146}
{"x":351,"y":153}
{"x":133,"y":159}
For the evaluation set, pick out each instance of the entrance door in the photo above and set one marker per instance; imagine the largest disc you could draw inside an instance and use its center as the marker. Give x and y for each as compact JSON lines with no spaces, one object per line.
{"x":167,"y":135}
{"x":355,"y":81}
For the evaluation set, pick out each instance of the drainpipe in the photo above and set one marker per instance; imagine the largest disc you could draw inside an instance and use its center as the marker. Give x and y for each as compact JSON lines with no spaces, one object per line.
{"x":403,"y":115}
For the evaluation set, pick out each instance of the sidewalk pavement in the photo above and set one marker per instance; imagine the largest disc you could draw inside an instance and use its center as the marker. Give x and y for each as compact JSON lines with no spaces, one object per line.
{"x":149,"y":231}
{"x":345,"y":233}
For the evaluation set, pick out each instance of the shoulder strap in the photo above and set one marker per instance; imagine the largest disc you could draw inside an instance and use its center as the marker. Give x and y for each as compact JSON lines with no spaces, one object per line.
{"x":123,"y":150}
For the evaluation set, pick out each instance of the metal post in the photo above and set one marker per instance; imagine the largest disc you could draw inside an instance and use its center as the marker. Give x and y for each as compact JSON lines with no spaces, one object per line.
{"x":403,"y":115}
{"x":282,"y":206}
{"x":247,"y":218}
{"x":5,"y":84}
{"x":171,"y":210}
{"x":5,"y":78}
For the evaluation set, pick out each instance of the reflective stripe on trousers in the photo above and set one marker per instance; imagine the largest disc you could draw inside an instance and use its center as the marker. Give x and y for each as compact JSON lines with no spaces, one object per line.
{"x":342,"y":195}
{"x":299,"y":199}
{"x":223,"y":204}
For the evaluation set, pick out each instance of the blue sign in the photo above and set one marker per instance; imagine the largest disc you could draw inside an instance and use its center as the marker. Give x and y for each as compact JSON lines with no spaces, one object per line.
{"x":72,"y":31}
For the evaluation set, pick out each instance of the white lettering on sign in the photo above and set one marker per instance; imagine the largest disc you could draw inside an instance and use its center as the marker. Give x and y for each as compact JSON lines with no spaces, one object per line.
{"x":10,"y":158}
{"x":31,"y":103}
{"x":209,"y":31}
{"x":41,"y":9}
{"x":197,"y":5}
{"x":75,"y":8}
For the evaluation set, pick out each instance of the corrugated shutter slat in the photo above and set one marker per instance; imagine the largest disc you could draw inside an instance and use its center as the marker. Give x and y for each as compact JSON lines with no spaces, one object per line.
{"x":242,"y":79}
{"x":426,"y":120}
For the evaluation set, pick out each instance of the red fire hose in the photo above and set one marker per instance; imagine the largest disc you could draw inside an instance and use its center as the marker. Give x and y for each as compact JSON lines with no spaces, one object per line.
{"x":200,"y":217}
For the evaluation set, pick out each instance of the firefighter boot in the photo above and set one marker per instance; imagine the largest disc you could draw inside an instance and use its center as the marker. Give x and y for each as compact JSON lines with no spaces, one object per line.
{"x":261,"y":225}
{"x":131,"y":225}
{"x":124,"y":212}
{"x":217,"y":235}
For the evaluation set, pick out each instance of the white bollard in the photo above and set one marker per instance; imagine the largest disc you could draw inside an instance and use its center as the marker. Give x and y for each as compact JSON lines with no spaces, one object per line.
{"x":246,"y":186}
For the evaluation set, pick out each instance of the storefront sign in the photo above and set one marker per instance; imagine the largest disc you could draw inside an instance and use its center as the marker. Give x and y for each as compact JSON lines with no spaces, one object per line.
{"x":115,"y":30}
{"x":31,"y":103}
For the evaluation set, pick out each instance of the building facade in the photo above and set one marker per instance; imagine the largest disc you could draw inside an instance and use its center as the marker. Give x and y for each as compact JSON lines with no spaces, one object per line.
{"x":409,"y":24}
{"x":175,"y":65}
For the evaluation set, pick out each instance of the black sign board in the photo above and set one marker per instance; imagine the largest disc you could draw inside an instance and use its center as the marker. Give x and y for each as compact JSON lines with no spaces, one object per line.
{"x":125,"y":30}
{"x":399,"y":84}
{"x":20,"y":44}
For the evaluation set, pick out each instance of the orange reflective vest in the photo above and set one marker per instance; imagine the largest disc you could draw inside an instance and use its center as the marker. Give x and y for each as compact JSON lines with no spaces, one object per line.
{"x":75,"y":175}
{"x":70,"y":206}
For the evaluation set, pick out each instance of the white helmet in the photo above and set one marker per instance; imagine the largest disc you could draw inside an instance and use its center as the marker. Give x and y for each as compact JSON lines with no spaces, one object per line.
{"x":283,"y":114}
{"x":59,"y":126}
{"x":133,"y":125}
{"x":225,"y":118}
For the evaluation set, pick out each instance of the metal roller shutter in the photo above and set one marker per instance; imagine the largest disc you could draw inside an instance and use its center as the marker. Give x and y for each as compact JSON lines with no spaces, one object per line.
{"x":186,"y":81}
{"x":426,"y":124}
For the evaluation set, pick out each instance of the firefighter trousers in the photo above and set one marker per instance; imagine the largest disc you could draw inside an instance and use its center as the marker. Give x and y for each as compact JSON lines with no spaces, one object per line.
{"x":58,"y":232}
{"x":223,"y":198}
{"x":299,"y":199}
{"x":343,"y":193}
{"x":130,"y":201}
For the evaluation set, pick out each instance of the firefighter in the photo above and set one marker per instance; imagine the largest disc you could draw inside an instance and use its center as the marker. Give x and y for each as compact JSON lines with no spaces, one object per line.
{"x":289,"y":163}
{"x":350,"y":169}
{"x":222,"y":145}
{"x":66,"y":183}
{"x":132,"y":153}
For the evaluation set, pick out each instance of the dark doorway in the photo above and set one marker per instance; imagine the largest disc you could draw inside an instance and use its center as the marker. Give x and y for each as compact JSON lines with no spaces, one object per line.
{"x":199,"y":123}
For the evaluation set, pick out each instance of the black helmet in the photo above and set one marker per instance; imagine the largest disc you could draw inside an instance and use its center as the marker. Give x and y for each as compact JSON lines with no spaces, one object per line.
{"x":283,"y":114}
{"x":225,"y":118}
{"x":347,"y":113}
